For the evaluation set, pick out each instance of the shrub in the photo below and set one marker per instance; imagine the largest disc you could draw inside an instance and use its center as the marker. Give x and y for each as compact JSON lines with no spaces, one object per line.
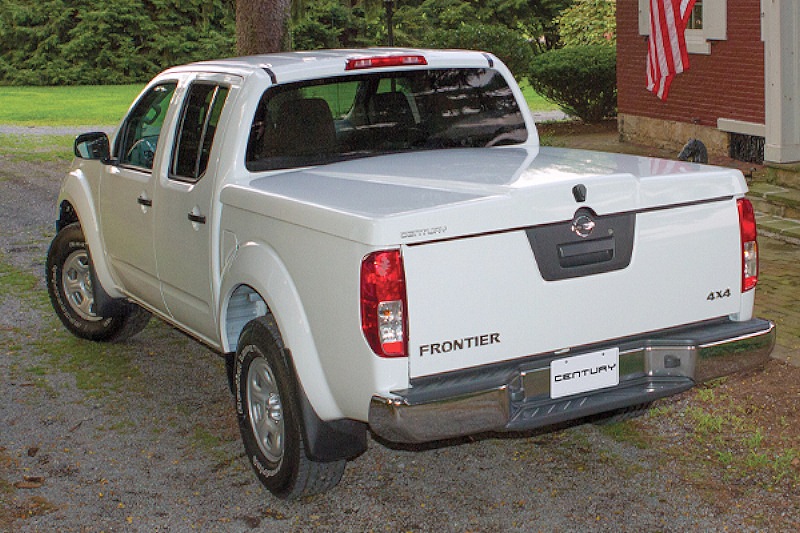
{"x":582,"y":80}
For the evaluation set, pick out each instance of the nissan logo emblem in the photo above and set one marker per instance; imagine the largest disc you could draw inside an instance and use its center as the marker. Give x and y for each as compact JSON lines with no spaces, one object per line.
{"x":583,"y":226}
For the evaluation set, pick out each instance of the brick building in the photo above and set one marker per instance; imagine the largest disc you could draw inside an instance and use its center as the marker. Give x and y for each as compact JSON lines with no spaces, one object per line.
{"x":741,"y":94}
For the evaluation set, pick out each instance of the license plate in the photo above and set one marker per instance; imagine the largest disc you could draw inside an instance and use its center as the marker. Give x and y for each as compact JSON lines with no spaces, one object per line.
{"x":584,"y":373}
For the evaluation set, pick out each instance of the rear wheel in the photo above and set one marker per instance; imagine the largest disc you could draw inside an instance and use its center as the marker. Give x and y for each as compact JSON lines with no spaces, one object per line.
{"x":270,"y":417}
{"x":72,"y":288}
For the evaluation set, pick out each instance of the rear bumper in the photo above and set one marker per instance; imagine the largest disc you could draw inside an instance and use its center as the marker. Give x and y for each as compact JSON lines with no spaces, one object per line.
{"x":516,"y":395}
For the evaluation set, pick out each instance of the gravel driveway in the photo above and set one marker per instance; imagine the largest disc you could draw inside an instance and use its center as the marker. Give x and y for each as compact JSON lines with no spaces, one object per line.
{"x":142,"y":436}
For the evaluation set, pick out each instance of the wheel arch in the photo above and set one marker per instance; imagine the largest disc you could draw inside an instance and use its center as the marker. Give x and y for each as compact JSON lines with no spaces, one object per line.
{"x":255,"y":283}
{"x":76,"y":204}
{"x":66,"y":215}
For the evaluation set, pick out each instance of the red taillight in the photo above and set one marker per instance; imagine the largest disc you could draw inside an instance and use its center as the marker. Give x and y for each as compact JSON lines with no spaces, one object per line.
{"x":385,"y":61}
{"x":747,"y":228}
{"x":383,"y":303}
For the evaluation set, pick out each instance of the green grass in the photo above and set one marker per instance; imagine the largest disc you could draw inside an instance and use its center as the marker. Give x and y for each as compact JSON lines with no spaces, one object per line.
{"x":625,"y":431}
{"x":104,"y":105}
{"x":66,"y":106}
{"x":36,"y":148}
{"x":16,"y":283}
{"x":725,"y":433}
{"x":98,"y":367}
{"x":536,"y":102}
{"x":210,"y":443}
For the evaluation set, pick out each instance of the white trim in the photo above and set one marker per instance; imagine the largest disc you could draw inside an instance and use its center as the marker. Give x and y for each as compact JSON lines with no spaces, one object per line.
{"x":715,"y":20}
{"x":782,"y":81}
{"x":696,"y":42}
{"x":644,"y":17}
{"x":739,"y":126}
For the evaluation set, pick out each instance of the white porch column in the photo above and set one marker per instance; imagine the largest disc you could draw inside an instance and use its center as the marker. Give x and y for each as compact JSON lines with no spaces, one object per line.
{"x":782,"y":77}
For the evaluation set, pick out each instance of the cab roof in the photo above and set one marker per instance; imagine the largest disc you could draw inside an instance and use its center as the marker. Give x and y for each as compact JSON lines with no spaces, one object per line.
{"x":287,"y":67}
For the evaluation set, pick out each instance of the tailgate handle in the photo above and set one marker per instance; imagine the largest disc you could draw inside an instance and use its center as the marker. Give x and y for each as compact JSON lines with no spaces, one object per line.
{"x":586,"y":253}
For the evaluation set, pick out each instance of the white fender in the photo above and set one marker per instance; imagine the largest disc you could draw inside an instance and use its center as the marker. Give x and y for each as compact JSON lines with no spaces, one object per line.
{"x":76,"y":190}
{"x":258,"y":266}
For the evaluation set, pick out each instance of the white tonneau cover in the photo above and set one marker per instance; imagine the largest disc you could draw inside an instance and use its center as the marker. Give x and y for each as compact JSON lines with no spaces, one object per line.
{"x":411,"y":197}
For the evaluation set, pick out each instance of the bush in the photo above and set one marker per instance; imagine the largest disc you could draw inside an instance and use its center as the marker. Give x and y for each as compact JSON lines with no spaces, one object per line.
{"x":582,"y":80}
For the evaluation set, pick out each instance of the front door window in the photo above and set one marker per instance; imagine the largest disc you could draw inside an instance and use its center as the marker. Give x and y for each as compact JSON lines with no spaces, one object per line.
{"x":139,"y":135}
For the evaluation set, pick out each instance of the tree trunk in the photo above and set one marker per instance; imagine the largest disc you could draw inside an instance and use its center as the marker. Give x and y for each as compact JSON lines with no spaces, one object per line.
{"x":262,"y":26}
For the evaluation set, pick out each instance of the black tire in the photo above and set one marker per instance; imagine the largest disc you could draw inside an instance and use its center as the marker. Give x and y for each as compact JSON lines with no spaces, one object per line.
{"x":270,"y":417}
{"x":72,"y":288}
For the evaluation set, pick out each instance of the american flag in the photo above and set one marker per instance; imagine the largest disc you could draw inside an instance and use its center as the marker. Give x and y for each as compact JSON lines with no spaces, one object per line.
{"x":666,"y":53}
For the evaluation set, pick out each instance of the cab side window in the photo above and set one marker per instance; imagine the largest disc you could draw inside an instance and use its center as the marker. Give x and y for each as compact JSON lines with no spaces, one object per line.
{"x":198,"y":124}
{"x":139,"y":135}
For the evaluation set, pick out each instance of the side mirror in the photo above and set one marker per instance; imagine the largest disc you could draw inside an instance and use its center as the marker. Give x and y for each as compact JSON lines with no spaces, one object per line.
{"x":92,"y":145}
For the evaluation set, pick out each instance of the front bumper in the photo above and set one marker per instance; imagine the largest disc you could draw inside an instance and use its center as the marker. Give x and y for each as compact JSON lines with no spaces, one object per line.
{"x":515,"y":395}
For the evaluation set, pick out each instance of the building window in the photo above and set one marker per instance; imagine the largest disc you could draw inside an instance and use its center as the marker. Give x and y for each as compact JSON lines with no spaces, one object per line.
{"x":708,"y":22}
{"x":696,"y":18}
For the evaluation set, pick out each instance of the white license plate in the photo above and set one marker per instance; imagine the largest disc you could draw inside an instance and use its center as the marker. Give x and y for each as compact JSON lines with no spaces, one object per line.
{"x":584,"y":373}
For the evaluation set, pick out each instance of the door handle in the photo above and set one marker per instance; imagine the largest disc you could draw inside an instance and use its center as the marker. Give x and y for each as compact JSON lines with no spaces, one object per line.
{"x":587,"y":252}
{"x":144,"y":201}
{"x":199,"y":219}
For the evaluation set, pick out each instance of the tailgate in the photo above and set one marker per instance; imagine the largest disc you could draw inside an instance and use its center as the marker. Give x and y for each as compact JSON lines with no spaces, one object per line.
{"x":482,"y":299}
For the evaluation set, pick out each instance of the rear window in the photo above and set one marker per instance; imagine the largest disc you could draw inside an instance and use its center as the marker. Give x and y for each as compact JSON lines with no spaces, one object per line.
{"x":330,"y":120}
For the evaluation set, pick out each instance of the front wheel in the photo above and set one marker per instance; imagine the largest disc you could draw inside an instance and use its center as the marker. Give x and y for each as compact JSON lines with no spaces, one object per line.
{"x":270,"y":417}
{"x":72,"y":288}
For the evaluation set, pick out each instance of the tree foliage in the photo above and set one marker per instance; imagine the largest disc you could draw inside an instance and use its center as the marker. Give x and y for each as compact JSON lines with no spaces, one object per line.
{"x":119,"y":41}
{"x":53,"y":42}
{"x":589,"y":22}
{"x":511,"y":29}
{"x":512,"y":49}
{"x":328,"y":24}
{"x":582,"y":80}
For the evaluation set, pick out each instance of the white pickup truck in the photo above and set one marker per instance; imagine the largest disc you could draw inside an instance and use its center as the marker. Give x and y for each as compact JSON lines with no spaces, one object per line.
{"x":376,"y":242}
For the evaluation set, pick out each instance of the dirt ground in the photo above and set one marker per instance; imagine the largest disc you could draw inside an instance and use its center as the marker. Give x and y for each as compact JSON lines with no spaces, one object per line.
{"x":141,"y":436}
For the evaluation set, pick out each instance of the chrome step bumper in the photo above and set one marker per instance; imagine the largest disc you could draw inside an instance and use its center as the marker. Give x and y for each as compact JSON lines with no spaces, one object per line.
{"x":515,"y":395}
